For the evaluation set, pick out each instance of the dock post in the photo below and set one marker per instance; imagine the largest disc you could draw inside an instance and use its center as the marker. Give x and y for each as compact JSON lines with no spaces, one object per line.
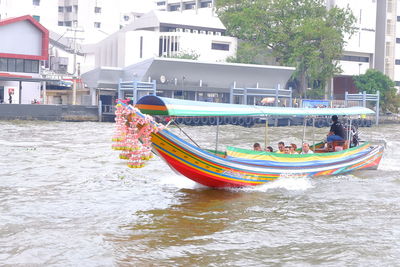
{"x":100,"y":111}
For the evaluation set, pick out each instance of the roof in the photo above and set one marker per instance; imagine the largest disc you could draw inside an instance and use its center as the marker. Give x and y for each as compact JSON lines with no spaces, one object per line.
{"x":103,"y":77}
{"x":155,"y":105}
{"x":21,"y":78}
{"x":45,"y":38}
{"x":215,"y":76}
{"x":64,"y":43}
{"x":156,"y":18}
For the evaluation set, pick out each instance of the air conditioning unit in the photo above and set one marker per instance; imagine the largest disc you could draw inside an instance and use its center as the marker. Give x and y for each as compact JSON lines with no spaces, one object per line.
{"x":187,"y":30}
{"x":195,"y":31}
{"x":203,"y":32}
{"x":179,"y":29}
{"x":210,"y":33}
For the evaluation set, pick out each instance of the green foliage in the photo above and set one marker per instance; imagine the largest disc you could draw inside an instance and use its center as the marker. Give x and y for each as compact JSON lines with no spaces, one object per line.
{"x":192,"y":55}
{"x":299,"y":33}
{"x":373,"y":81}
{"x":248,"y":53}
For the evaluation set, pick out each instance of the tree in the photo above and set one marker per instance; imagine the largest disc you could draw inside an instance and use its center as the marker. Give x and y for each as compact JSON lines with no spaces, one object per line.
{"x":373,"y":81}
{"x":300,"y":33}
{"x":192,"y":55}
{"x":249,"y":53}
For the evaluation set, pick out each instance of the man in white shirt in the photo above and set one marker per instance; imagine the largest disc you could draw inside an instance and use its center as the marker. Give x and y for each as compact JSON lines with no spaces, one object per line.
{"x":306,"y":149}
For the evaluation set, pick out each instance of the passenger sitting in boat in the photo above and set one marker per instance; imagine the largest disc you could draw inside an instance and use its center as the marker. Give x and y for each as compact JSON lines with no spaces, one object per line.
{"x":257,"y":147}
{"x":281,"y":147}
{"x":293,"y":148}
{"x":269,"y":149}
{"x":306,"y":149}
{"x":286,"y":150}
{"x":336,"y":133}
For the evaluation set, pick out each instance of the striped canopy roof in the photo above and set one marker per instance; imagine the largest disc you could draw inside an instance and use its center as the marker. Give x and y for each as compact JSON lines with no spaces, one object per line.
{"x":155,"y":105}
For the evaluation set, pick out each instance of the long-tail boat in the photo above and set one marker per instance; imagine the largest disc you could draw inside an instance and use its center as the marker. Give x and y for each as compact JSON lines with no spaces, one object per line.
{"x":139,"y":134}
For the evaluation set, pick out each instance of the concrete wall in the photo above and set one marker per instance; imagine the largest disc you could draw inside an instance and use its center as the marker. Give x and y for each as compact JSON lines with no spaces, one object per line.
{"x":48,"y":112}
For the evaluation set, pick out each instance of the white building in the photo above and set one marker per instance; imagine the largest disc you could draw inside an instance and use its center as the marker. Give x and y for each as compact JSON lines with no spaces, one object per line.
{"x":359,"y":53}
{"x":95,"y":19}
{"x":44,"y":11}
{"x":165,"y":34}
{"x":20,"y":81}
{"x":203,"y":7}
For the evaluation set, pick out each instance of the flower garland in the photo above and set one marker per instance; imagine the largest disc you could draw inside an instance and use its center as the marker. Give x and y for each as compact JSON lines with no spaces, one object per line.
{"x":133,"y":135}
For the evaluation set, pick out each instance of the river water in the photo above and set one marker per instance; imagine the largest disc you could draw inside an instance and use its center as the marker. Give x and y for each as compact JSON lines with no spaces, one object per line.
{"x":66,"y":199}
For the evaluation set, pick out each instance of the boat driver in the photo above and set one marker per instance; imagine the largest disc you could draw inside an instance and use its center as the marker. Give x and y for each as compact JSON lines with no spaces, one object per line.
{"x":336,"y":133}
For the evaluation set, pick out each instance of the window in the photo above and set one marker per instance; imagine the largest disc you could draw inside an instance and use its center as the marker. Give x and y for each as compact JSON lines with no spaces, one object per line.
{"x":174,"y":7}
{"x":3,"y":64}
{"x":397,"y":83}
{"x":219,"y":46}
{"x":36,"y":2}
{"x":68,"y":8}
{"x":355,"y":58}
{"x":398,"y":18}
{"x":20,"y":65}
{"x":205,"y":4}
{"x":97,"y":24}
{"x":68,"y":23}
{"x":398,"y":40}
{"x":397,"y":62}
{"x":75,"y":8}
{"x":190,"y":6}
{"x":126,"y":18}
{"x":61,"y":9}
{"x":161,"y":3}
{"x":37,"y":18}
{"x":61,"y":23}
{"x":97,"y":9}
{"x":27,"y":66}
{"x":35,"y":66}
{"x":11,"y":64}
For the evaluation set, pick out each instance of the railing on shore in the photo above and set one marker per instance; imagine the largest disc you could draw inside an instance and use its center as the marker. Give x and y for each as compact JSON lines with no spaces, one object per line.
{"x":108,"y":109}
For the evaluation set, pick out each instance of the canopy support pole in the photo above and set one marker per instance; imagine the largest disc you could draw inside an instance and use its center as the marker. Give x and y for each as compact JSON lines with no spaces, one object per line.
{"x":217,"y":136}
{"x":266,"y":140}
{"x":313,"y":132}
{"x":349,"y":132}
{"x":304,"y":129}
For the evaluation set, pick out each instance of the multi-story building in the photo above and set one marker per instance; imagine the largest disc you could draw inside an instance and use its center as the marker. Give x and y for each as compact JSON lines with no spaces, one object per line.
{"x":205,"y":7}
{"x":165,"y":34}
{"x":94,"y":19}
{"x":44,"y":11}
{"x":360,"y":51}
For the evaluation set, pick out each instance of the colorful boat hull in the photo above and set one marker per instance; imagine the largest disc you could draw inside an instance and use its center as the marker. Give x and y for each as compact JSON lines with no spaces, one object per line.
{"x":214,"y":171}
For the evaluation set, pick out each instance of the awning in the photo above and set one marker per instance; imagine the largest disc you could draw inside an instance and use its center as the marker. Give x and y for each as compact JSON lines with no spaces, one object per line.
{"x":22,"y":78}
{"x":155,"y":105}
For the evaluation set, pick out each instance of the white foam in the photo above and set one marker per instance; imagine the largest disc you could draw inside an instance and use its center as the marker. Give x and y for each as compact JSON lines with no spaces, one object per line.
{"x":178,"y":181}
{"x":288,"y":182}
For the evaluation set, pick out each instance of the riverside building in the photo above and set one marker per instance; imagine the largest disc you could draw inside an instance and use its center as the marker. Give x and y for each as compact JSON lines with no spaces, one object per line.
{"x":20,"y":79}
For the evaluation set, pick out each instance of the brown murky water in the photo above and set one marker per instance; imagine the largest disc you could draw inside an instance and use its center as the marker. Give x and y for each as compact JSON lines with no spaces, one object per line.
{"x":67,"y":200}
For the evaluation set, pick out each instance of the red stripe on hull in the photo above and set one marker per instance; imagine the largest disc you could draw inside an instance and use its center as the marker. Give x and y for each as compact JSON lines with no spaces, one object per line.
{"x":373,"y":165}
{"x":199,"y":176}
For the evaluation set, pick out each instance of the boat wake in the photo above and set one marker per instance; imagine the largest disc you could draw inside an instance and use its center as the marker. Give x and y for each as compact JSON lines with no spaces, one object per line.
{"x":287,"y":182}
